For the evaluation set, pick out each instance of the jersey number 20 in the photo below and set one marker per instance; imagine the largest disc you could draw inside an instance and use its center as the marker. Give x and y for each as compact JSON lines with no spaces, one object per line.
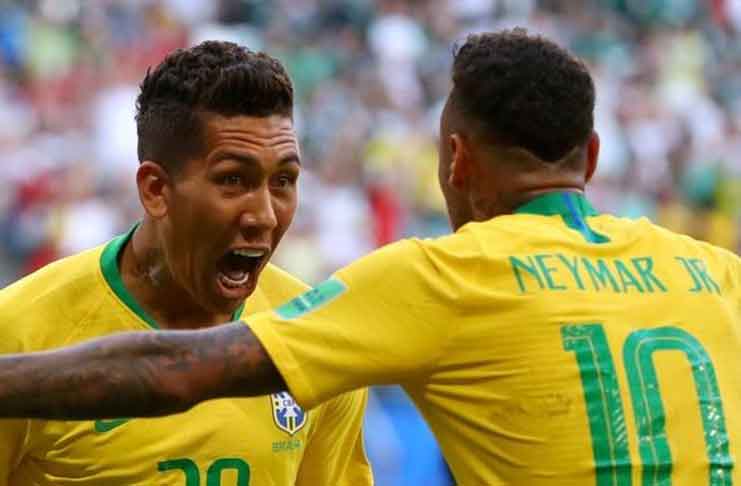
{"x":605,"y":408}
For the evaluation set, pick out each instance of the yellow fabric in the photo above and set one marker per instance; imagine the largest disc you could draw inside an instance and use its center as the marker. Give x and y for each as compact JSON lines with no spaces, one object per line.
{"x":210,"y":445}
{"x":482,"y":329}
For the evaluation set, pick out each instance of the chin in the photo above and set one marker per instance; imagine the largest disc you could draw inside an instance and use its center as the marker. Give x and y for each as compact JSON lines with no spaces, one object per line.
{"x":226,"y":306}
{"x":218,"y":303}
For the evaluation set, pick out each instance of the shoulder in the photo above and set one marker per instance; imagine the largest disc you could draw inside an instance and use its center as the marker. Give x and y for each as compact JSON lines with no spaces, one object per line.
{"x":50,"y":299}
{"x":395,"y":257}
{"x":722,"y":263}
{"x":421,"y":273}
{"x":692,"y":245}
{"x":61,"y":279}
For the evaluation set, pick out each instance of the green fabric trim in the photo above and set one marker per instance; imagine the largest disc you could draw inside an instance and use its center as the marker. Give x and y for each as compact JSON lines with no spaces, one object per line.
{"x":312,"y":299}
{"x":573,"y":208}
{"x":103,"y":426}
{"x":553,"y":203}
{"x":238,"y":313}
{"x":109,"y":266}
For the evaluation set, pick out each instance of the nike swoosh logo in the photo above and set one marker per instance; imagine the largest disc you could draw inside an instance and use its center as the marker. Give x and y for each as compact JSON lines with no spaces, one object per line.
{"x":102,"y":426}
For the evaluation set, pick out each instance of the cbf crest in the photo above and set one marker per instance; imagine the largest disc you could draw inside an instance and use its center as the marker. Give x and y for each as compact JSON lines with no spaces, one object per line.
{"x":287,"y":414}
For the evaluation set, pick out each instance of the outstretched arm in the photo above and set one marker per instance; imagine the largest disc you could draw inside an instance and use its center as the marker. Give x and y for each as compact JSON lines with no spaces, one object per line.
{"x":137,"y":374}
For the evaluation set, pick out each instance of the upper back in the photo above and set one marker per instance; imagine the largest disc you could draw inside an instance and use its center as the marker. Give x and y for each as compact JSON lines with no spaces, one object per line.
{"x":583,"y":346}
{"x":548,"y":347}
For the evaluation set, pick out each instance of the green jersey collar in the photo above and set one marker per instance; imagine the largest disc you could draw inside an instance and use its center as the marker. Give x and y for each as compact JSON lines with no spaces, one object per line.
{"x":109,"y":265}
{"x":573,"y":208}
{"x":560,"y":203}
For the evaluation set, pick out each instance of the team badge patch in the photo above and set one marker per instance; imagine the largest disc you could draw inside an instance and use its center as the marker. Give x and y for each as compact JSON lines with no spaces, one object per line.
{"x":287,"y":414}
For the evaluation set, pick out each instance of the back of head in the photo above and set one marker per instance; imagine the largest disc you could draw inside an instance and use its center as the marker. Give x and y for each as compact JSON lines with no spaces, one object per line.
{"x":212,"y":77}
{"x":524,"y":91}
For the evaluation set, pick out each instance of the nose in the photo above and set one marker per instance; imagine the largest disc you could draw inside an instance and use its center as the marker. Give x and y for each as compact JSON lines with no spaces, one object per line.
{"x":258,"y":213}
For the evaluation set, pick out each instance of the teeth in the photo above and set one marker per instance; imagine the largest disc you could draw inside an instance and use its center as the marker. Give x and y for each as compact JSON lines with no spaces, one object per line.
{"x":249,"y":253}
{"x":230,"y":282}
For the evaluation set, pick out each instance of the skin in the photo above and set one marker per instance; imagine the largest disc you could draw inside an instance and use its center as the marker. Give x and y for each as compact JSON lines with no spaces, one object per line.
{"x":160,"y":373}
{"x":480,"y":180}
{"x":240,"y":193}
{"x":137,"y":374}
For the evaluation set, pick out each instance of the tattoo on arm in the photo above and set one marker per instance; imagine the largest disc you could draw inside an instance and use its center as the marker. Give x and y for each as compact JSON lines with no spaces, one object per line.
{"x":137,"y":374}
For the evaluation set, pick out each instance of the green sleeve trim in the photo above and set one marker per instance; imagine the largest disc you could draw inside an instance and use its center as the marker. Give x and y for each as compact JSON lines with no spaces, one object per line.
{"x":312,"y":299}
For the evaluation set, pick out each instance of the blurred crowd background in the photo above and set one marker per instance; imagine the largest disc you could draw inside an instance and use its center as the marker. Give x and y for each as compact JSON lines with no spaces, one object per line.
{"x":370,"y":77}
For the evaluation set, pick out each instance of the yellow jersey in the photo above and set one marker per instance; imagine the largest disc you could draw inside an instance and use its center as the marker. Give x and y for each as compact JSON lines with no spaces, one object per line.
{"x":552,"y":346}
{"x":229,"y":442}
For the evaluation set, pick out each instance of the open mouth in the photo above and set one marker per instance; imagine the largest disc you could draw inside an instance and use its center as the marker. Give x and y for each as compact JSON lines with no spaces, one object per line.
{"x":238,"y":266}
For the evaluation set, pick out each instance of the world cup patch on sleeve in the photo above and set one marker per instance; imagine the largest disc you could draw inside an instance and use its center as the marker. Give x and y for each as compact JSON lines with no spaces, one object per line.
{"x":313,"y":299}
{"x":287,"y":414}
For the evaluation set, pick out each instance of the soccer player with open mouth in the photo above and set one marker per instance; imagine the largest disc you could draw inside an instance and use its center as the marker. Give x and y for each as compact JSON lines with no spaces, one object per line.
{"x":217,"y":179}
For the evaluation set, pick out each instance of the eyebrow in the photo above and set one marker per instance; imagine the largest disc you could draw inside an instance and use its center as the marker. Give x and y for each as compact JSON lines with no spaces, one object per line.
{"x":249,"y":159}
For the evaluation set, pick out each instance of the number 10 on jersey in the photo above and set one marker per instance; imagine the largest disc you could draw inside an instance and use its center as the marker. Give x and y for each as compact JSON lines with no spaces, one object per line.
{"x":605,"y":409}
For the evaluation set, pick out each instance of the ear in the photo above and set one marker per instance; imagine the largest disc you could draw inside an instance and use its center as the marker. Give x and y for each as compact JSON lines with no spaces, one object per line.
{"x":153,"y":183}
{"x":460,"y":161}
{"x":592,"y":156}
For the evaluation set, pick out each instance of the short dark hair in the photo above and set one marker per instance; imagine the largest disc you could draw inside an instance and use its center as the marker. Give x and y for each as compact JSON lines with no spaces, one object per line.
{"x":524,"y":91}
{"x":212,"y":77}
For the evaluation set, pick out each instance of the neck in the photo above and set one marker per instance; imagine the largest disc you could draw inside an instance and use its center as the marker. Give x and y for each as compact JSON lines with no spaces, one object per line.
{"x":147,"y":277}
{"x":512,"y":176}
{"x":508,"y":202}
{"x":525,"y":197}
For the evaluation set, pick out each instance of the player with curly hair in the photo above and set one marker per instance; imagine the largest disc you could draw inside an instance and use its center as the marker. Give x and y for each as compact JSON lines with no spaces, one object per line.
{"x":545,"y":343}
{"x":219,"y":163}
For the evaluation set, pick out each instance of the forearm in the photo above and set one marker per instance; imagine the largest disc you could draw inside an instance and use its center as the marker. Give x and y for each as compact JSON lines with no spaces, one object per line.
{"x":136,"y":374}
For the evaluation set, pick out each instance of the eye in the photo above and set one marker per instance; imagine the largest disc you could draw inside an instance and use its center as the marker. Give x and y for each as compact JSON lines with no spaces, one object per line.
{"x":285,"y":180}
{"x":231,"y":180}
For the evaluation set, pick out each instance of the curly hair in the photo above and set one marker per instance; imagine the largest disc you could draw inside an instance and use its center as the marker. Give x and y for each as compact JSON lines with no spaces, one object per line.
{"x":524,"y":91}
{"x":212,"y":77}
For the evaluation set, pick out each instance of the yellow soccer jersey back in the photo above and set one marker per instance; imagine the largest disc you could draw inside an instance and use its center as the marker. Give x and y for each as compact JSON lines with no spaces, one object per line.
{"x":553,"y":346}
{"x":231,"y":442}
